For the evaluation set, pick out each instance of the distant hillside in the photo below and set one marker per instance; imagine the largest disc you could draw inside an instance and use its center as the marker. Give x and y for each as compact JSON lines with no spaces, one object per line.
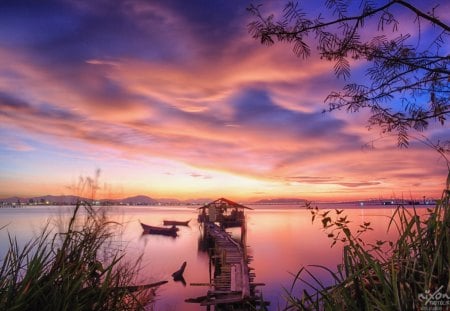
{"x":169,"y":201}
{"x":137,"y":200}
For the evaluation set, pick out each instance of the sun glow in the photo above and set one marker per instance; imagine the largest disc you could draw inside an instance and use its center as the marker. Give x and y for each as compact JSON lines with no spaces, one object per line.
{"x":194,"y":116}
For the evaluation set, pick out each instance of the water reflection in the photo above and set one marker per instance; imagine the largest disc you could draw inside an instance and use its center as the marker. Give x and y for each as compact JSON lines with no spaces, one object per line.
{"x":282,"y":241}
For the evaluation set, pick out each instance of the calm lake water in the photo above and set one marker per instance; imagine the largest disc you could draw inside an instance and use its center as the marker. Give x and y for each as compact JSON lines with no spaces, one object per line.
{"x":281,"y":240}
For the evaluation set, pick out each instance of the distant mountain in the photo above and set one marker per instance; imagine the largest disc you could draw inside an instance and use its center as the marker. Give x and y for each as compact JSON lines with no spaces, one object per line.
{"x":169,"y":201}
{"x":280,"y":201}
{"x":137,"y":200}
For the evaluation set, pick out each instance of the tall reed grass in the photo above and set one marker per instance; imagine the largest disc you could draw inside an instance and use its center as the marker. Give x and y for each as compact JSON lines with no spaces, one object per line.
{"x":69,"y":270}
{"x":411,"y":273}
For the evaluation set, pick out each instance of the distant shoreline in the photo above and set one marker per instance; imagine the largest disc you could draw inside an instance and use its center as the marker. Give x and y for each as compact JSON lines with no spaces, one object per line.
{"x":256,"y":206}
{"x":142,"y":200}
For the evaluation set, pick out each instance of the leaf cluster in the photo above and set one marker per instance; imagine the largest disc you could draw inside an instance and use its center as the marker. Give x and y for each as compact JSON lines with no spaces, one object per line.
{"x":70,"y":270}
{"x":385,"y":275}
{"x":407,"y":85}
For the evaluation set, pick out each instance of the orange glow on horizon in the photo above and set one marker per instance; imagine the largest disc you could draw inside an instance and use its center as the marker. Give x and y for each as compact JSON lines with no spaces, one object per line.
{"x":192,"y":117}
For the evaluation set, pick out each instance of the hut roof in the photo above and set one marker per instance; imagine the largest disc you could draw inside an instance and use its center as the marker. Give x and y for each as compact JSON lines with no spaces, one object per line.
{"x":222,"y":201}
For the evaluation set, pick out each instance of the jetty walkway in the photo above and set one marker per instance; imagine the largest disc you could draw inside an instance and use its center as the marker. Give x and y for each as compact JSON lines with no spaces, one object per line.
{"x":231,"y":285}
{"x":233,"y":278}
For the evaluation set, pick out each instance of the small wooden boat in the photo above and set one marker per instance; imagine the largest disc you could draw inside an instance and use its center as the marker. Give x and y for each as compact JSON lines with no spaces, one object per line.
{"x":171,"y":231}
{"x":176,"y":223}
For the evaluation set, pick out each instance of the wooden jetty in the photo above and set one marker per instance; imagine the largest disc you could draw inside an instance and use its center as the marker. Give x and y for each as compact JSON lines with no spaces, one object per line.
{"x":232,"y":284}
{"x":234,"y":272}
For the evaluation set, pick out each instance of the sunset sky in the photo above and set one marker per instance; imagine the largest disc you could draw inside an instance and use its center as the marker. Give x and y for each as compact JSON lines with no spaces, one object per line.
{"x":175,"y":99}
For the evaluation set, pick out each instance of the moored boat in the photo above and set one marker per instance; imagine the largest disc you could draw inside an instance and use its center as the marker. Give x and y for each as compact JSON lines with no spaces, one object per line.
{"x":176,"y":223}
{"x":171,"y":231}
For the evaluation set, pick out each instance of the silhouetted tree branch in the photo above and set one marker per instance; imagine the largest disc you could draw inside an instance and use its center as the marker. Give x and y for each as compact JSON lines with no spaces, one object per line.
{"x":407,"y":85}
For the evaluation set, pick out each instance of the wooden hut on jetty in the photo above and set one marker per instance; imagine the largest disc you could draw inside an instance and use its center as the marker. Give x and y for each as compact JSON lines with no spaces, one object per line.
{"x":223,"y":211}
{"x":231,"y":285}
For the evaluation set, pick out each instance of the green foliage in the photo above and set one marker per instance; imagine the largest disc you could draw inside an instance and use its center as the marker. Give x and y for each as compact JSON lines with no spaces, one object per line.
{"x":382,"y":275}
{"x":69,"y":271}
